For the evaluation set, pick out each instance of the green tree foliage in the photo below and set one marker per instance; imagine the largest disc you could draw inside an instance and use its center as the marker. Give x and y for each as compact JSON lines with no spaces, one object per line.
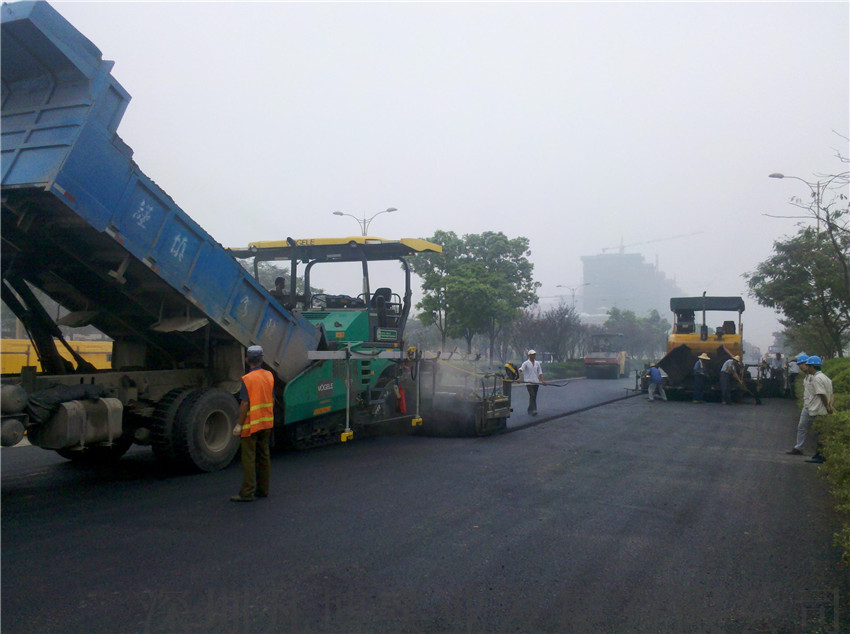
{"x":644,"y":337}
{"x":806,"y":282}
{"x":479,"y":284}
{"x":434,"y":269}
{"x":469,"y":286}
{"x":805,"y":337}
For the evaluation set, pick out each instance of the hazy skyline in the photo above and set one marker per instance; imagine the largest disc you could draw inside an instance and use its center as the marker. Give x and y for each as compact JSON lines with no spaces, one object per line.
{"x":577,"y":125}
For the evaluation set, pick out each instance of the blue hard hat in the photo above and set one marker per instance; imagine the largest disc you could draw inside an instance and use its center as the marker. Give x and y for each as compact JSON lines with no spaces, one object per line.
{"x":802,"y":358}
{"x":814,"y":360}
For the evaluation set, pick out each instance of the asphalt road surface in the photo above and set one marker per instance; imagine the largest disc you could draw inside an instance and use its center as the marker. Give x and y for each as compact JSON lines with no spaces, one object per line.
{"x":630,"y":517}
{"x":562,"y":396}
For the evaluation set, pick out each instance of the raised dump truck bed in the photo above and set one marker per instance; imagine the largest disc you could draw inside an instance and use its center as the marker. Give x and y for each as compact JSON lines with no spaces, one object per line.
{"x":83,"y":223}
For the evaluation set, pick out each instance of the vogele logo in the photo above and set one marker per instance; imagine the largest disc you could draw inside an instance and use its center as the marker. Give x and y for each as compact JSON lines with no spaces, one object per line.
{"x":325,"y":388}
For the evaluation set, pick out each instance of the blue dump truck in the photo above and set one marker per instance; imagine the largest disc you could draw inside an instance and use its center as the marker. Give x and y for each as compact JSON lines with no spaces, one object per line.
{"x":85,"y":226}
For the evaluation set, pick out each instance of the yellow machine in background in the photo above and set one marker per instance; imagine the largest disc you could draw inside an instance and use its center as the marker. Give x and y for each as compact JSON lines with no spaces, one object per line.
{"x":703,"y":339}
{"x":606,"y":358}
{"x":17,"y":353}
{"x":689,"y":340}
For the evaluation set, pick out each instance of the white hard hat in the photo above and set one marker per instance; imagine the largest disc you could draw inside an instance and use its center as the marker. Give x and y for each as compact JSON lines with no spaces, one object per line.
{"x":531,"y":352}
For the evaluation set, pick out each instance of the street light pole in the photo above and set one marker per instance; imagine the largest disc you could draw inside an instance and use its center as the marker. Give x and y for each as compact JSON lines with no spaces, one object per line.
{"x":573,"y":290}
{"x":817,"y":189}
{"x":364,"y":222}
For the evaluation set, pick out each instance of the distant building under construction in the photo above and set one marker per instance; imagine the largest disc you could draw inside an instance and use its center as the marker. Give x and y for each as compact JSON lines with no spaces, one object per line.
{"x":624,"y":281}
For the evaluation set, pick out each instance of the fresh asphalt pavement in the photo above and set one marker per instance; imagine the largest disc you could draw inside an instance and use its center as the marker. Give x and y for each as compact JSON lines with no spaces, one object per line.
{"x":629,"y":517}
{"x":566,"y":396}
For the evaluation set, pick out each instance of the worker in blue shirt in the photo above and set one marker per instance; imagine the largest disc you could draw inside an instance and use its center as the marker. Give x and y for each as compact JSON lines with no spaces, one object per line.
{"x":656,"y":383}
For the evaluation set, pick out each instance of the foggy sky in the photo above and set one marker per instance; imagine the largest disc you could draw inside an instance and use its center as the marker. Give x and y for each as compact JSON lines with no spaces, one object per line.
{"x":577,"y":125}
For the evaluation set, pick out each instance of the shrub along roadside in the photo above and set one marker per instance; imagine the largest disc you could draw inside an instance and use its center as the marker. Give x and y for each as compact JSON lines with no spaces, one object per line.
{"x":834,"y":431}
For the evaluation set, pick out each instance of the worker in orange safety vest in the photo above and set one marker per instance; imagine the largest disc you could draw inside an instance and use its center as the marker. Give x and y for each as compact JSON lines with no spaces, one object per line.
{"x":254,"y":427}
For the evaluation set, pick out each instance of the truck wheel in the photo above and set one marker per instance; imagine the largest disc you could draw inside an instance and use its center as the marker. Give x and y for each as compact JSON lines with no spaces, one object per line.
{"x":163,"y":437}
{"x":99,"y":454}
{"x":204,"y":429}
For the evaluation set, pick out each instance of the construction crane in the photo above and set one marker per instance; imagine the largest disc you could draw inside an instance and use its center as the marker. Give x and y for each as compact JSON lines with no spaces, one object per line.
{"x":635,"y":244}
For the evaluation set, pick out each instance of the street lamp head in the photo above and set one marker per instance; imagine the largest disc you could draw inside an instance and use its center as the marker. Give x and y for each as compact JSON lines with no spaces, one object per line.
{"x":776,"y":175}
{"x":364,"y":222}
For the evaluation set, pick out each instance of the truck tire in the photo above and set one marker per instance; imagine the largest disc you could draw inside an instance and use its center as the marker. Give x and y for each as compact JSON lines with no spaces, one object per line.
{"x":99,"y":454}
{"x":163,"y":437}
{"x":204,"y":429}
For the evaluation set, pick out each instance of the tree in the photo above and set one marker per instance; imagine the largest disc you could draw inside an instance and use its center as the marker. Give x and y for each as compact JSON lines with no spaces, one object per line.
{"x":644,"y":337}
{"x":805,"y":281}
{"x":828,"y":207}
{"x":523,"y":334}
{"x":471,"y":285}
{"x":434,"y":270}
{"x":556,"y":330}
{"x":816,"y":313}
{"x":624,"y":322}
{"x":656,"y":330}
{"x":425,"y":337}
{"x":560,"y":331}
{"x":503,"y":265}
{"x":806,"y":337}
{"x":479,"y":284}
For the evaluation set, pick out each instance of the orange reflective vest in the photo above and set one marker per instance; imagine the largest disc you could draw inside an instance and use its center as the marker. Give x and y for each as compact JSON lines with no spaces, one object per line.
{"x":260,"y":386}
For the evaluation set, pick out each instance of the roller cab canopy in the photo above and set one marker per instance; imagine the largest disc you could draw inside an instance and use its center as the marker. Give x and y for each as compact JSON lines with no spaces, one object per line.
{"x":699,"y":338}
{"x":350,"y":249}
{"x":678,"y":304}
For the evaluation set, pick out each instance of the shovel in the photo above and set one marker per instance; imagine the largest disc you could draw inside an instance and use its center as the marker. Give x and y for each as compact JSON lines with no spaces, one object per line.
{"x":743,"y":385}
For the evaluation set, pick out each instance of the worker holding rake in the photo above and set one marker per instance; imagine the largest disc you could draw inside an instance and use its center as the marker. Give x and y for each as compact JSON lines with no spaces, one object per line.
{"x":531,"y":373}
